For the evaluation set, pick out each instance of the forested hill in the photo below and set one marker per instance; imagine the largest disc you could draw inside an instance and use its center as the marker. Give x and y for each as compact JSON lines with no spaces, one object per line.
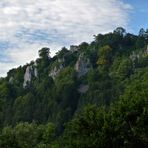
{"x":93,"y":95}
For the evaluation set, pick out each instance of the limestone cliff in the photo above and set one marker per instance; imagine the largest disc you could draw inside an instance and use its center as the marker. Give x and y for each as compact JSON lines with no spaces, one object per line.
{"x":82,"y":65}
{"x":55,"y":71}
{"x":31,"y":71}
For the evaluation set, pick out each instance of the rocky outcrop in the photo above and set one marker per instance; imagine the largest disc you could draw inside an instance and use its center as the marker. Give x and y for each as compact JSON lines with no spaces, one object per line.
{"x":82,"y":65}
{"x":35,"y":69}
{"x":35,"y":72}
{"x":61,"y":60}
{"x":83,"y":88}
{"x":55,"y":71}
{"x":146,"y":52}
{"x":134,"y":56}
{"x":11,"y":80}
{"x":74,"y":48}
{"x":31,"y":71}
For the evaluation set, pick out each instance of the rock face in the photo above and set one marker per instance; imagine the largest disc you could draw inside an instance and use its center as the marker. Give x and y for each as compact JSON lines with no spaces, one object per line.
{"x":146,"y":52}
{"x":11,"y":80}
{"x":134,"y":56}
{"x":35,"y":72}
{"x":31,"y":72}
{"x":82,"y":65}
{"x":61,"y":60}
{"x":74,"y":48}
{"x":83,"y":88}
{"x":55,"y":71}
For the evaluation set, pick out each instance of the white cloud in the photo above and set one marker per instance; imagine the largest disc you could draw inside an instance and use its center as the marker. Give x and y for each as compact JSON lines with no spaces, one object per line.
{"x":30,"y":24}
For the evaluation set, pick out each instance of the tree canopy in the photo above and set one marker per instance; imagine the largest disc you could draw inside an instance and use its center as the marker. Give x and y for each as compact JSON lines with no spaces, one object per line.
{"x":95,"y":96}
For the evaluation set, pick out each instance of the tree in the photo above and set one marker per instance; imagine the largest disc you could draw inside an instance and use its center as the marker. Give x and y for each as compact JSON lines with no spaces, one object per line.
{"x":7,"y":138}
{"x":44,"y":59}
{"x":142,"y":32}
{"x":24,"y":108}
{"x":26,"y":135}
{"x":44,"y":52}
{"x":123,"y":124}
{"x":49,"y":133}
{"x":119,"y":30}
{"x":104,"y":55}
{"x":123,"y":68}
{"x":62,"y":53}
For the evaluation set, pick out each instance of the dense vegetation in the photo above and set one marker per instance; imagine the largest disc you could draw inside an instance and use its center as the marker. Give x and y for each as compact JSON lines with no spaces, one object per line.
{"x":104,"y":105}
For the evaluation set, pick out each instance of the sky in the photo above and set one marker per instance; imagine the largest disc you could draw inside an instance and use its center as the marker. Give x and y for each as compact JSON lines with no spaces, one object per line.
{"x":28,"y":25}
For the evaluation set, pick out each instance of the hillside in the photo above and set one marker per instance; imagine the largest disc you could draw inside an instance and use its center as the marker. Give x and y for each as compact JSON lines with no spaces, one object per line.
{"x":91,"y":95}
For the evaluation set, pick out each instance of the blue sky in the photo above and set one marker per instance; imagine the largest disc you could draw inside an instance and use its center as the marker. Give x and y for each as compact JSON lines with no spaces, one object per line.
{"x":139,"y":15}
{"x":28,"y":25}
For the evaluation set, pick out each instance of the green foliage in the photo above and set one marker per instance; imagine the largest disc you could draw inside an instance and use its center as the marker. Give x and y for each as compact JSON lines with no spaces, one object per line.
{"x":122,"y":67}
{"x":62,"y":52}
{"x":104,"y":55}
{"x":44,"y":52}
{"x":23,"y":107}
{"x":120,"y":31}
{"x":49,"y":133}
{"x":124,"y":124}
{"x":25,"y":135}
{"x":4,"y":90}
{"x":111,"y":113}
{"x":43,"y":61}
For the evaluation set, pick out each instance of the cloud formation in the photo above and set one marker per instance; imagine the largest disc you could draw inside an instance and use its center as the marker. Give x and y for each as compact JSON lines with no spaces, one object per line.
{"x":28,"y":25}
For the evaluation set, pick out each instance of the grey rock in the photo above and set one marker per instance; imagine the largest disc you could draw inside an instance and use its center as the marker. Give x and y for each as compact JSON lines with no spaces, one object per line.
{"x":55,"y":71}
{"x":61,"y":60}
{"x":35,"y":69}
{"x":74,"y":48}
{"x":134,"y":56}
{"x":27,"y":76}
{"x":11,"y":80}
{"x":83,"y":88}
{"x":82,"y":65}
{"x":35,"y":63}
{"x":146,"y":52}
{"x":35,"y":72}
{"x":31,"y":72}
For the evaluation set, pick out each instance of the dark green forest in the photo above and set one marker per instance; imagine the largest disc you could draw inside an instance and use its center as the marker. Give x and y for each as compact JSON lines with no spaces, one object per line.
{"x":93,"y":95}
